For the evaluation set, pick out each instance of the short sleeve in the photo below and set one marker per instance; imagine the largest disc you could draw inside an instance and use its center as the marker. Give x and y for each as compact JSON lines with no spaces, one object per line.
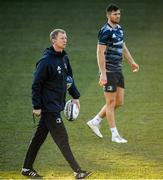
{"x":104,"y":36}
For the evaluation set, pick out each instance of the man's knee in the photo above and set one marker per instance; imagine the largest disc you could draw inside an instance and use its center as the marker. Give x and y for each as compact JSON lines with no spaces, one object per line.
{"x":60,"y":136}
{"x":119,"y":103}
{"x":111,"y":103}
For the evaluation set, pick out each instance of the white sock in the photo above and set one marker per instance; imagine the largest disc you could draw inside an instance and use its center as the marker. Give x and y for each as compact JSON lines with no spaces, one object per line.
{"x":114,"y":132}
{"x":96,"y":120}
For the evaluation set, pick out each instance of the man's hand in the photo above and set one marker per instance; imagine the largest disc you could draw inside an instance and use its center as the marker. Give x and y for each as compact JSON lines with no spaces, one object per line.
{"x":134,"y":67}
{"x":37,"y":112}
{"x":77,"y":102}
{"x":103,"y":79}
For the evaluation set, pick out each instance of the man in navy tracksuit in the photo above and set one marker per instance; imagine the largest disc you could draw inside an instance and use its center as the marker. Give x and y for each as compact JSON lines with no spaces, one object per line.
{"x":48,"y":97}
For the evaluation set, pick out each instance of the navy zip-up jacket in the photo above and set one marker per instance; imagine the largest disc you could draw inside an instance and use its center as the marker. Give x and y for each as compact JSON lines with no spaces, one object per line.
{"x":49,"y":84}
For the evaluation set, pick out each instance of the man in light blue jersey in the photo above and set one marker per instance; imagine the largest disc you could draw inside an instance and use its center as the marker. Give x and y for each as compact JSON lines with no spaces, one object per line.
{"x":111,"y":49}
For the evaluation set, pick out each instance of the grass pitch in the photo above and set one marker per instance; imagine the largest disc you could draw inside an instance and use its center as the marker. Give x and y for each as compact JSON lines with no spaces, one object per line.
{"x":24,"y":30}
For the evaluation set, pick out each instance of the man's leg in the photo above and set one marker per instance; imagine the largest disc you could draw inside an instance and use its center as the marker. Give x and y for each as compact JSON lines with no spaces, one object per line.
{"x":111,"y":104}
{"x":37,"y":140}
{"x":34,"y":146}
{"x":102,"y":112}
{"x":110,"y":99}
{"x":119,"y":102}
{"x":95,"y":122}
{"x":59,"y":135}
{"x":119,"y":97}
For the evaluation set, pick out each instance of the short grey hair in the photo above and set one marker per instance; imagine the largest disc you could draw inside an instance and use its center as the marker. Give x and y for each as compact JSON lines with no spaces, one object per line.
{"x":55,"y":32}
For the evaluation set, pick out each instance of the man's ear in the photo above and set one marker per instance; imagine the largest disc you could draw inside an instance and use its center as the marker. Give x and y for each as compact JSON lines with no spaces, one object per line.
{"x":107,"y":14}
{"x":53,"y":40}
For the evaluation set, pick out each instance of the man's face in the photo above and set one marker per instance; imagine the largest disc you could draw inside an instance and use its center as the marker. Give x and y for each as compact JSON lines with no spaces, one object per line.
{"x":60,"y":41}
{"x":114,"y":16}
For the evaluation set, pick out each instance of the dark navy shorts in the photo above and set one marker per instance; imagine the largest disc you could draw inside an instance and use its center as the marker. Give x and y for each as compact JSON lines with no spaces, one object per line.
{"x":114,"y":80}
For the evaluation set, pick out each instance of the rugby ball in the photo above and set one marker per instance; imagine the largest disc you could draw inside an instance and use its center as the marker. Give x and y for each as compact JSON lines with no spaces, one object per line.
{"x":71,"y":110}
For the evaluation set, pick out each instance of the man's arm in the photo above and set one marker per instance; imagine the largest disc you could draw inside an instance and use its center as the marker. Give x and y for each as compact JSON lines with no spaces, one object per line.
{"x":129,"y":58}
{"x":73,"y":91}
{"x":38,"y":81}
{"x":101,"y":63}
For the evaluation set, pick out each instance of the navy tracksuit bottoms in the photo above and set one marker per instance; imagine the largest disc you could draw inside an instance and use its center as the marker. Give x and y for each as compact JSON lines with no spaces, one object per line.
{"x":50,"y":122}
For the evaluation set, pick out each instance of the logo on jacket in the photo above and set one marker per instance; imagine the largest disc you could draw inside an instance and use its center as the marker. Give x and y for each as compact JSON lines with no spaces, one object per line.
{"x":58,"y":120}
{"x":65,"y":65}
{"x":59,"y":69}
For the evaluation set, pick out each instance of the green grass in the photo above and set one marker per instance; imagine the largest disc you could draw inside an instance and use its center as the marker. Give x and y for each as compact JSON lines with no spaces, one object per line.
{"x":24,"y":31}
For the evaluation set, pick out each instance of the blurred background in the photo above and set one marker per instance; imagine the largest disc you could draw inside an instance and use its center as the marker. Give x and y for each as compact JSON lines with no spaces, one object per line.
{"x":24,"y":34}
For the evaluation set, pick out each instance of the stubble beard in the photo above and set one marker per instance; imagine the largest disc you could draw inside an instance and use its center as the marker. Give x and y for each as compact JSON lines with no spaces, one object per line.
{"x":115,"y":21}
